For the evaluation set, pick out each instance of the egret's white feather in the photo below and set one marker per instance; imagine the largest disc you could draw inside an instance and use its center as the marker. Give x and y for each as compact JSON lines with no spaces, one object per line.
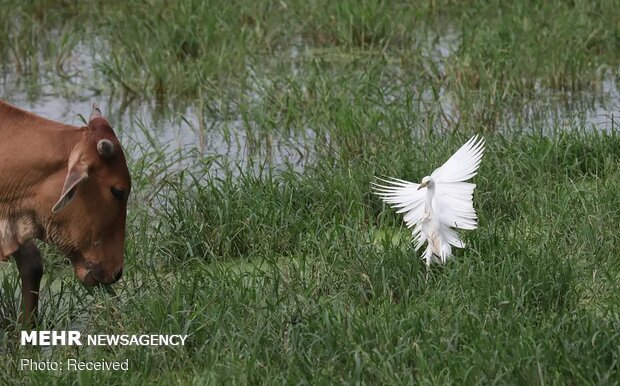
{"x":445,"y":203}
{"x":463,"y":164}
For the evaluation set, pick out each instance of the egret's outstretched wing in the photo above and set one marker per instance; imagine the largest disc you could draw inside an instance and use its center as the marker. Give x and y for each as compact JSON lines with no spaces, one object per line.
{"x":453,"y":196}
{"x":463,"y":164}
{"x":404,"y":196}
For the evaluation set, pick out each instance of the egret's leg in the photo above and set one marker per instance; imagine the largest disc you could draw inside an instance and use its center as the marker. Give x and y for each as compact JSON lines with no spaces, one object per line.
{"x":426,"y":217}
{"x":427,"y":259}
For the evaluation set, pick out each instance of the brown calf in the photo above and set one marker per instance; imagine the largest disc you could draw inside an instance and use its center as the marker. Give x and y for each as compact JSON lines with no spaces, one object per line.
{"x":67,"y":186}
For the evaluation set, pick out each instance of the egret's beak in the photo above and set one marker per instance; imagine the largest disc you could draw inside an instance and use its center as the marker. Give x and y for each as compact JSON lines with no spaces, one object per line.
{"x":422,"y":185}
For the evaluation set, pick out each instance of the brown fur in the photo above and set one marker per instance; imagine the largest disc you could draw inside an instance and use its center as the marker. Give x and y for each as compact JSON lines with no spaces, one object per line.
{"x":42,"y":162}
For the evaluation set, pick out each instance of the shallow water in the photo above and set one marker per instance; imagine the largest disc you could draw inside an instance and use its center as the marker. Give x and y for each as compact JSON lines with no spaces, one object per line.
{"x":68,"y":97}
{"x":171,"y":130}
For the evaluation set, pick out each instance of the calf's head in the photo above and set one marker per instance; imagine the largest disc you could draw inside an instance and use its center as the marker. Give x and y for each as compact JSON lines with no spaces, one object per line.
{"x":88,"y":220}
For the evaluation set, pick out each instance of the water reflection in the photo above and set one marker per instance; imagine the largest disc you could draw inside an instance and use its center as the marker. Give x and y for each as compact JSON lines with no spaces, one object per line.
{"x":67,"y":96}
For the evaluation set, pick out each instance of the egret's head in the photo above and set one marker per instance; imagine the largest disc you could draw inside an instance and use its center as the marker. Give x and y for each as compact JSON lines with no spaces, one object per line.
{"x":426,"y":182}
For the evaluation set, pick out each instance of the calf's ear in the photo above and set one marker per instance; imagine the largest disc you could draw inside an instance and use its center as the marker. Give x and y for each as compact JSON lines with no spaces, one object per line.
{"x":76,"y":174}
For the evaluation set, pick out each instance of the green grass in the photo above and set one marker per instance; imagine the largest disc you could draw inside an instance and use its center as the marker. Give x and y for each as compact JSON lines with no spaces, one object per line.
{"x":306,"y":277}
{"x":275,"y":257}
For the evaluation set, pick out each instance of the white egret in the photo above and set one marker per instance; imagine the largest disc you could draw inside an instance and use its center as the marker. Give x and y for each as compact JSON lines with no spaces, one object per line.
{"x":441,"y":201}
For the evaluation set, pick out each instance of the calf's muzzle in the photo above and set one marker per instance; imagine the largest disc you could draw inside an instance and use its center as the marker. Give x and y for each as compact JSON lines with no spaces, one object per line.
{"x":95,"y":274}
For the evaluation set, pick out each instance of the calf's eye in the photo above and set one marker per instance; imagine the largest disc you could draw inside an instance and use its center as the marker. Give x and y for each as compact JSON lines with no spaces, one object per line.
{"x":119,"y":194}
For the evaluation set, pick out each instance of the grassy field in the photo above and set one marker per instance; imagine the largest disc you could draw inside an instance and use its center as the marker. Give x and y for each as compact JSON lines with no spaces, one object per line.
{"x":277,"y":260}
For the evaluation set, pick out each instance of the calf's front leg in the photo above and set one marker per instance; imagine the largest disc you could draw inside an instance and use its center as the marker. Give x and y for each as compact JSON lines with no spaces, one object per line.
{"x":30,"y":267}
